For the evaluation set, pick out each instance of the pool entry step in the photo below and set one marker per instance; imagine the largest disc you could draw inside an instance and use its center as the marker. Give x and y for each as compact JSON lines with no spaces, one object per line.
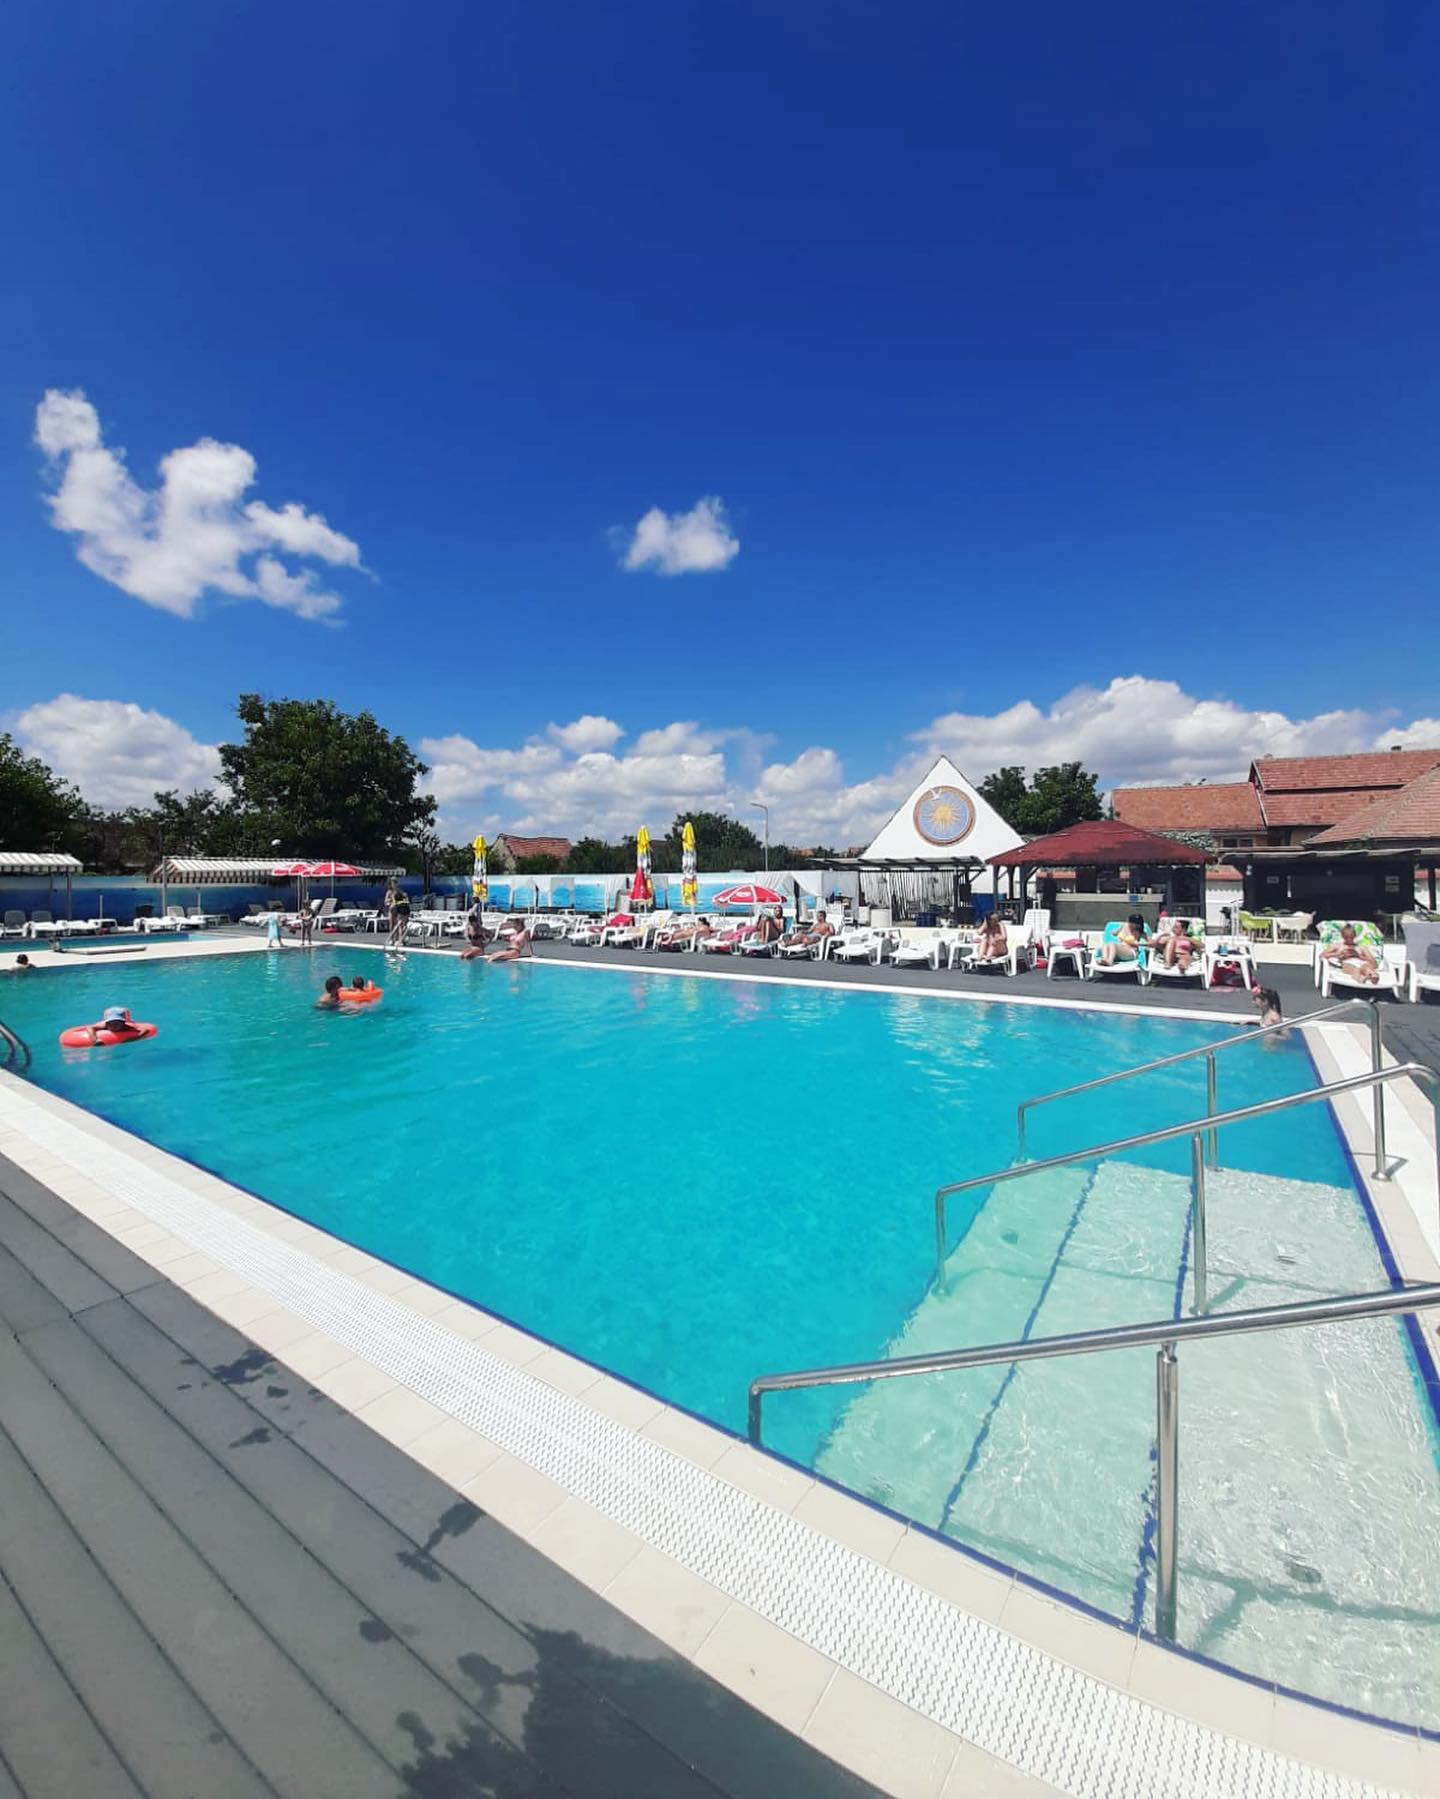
{"x":1306,"y":1456}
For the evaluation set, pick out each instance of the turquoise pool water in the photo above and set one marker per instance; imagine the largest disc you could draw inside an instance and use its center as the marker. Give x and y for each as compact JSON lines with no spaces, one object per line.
{"x":692,"y":1181}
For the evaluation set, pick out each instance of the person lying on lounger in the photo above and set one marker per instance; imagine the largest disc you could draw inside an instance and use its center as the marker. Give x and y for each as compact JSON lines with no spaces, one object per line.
{"x":681,"y":935}
{"x":1179,"y":946}
{"x":1352,"y":958}
{"x":1124,"y":946}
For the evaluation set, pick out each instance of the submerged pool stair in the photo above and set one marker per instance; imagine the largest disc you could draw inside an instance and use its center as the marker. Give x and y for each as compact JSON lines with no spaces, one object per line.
{"x":950,"y":1437}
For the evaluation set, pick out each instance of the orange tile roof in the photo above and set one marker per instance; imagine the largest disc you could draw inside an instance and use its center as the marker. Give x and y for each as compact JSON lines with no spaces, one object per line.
{"x":535,"y":846}
{"x":1314,"y":809}
{"x":1227,"y":806}
{"x":1374,"y":768}
{"x":1411,"y":816}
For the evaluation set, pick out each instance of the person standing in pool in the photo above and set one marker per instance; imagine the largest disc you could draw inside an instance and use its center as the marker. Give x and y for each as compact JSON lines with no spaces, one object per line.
{"x":329,"y":1000}
{"x":398,"y":900}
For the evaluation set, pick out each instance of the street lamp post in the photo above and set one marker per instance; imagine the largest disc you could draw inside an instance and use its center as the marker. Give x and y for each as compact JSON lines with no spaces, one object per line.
{"x":760,"y":806}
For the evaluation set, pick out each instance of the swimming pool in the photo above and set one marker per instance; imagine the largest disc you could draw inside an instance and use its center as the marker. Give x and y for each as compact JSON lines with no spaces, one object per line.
{"x":693,"y":1181}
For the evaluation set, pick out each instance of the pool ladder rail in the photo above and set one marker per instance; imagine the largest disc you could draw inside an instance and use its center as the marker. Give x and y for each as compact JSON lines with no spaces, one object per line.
{"x":17,"y":1050}
{"x":1210,"y":1051}
{"x":1165,"y":1333}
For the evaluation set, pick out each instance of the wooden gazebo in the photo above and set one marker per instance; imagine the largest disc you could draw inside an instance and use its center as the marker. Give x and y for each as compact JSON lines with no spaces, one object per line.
{"x":1096,"y":845}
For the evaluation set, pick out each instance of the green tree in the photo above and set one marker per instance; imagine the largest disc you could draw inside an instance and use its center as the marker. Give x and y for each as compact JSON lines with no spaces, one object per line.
{"x":721,"y":843}
{"x":1064,"y":793}
{"x":1006,"y":792}
{"x":1061,"y":795}
{"x":593,"y":856}
{"x":37,"y":808}
{"x":325,"y":782}
{"x":537,"y":865}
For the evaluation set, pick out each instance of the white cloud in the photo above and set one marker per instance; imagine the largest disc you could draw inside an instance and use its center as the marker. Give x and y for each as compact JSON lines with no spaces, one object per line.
{"x":1424,"y":734}
{"x":115,"y":752}
{"x":681,"y":543}
{"x":1138,"y":731}
{"x":590,"y":732}
{"x":1134,"y":730}
{"x":171,"y":545}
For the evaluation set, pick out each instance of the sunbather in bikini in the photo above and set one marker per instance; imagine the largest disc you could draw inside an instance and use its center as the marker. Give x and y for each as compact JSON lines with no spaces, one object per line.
{"x":1352,"y":958}
{"x":1179,"y":946}
{"x":990,"y":945}
{"x":1124,"y":946}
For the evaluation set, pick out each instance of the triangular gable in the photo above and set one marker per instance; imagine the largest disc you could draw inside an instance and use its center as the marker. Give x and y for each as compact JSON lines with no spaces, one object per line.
{"x":945,"y":820}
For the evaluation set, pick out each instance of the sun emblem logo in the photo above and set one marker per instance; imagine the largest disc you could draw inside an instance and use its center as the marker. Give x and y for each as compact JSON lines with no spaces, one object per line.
{"x":943,"y":815}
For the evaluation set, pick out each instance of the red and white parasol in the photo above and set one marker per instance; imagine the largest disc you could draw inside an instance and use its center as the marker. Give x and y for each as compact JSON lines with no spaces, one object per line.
{"x":748,"y":893}
{"x":332,"y":869}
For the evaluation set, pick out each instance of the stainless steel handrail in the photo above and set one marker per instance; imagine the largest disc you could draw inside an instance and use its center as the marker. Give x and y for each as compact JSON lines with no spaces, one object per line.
{"x":1210,"y":1051}
{"x":1196,"y":1129}
{"x":16,"y":1047}
{"x":1166,"y":1333}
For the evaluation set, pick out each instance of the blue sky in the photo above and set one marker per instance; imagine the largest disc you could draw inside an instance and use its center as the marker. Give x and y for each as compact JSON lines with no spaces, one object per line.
{"x":1067,"y":381}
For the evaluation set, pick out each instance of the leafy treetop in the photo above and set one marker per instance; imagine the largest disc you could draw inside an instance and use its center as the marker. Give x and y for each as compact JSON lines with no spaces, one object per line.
{"x":1066,"y":793}
{"x":324,"y":782}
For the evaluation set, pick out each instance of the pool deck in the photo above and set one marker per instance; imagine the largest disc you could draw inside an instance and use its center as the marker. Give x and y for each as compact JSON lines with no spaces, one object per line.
{"x":218,"y":1581}
{"x":292,"y":1522}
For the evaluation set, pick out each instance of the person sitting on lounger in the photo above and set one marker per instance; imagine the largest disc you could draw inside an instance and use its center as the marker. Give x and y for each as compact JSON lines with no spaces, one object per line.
{"x":1352,"y":958}
{"x":1125,"y":945}
{"x":1179,"y":946}
{"x":519,"y":945}
{"x":990,"y":945}
{"x":769,"y":928}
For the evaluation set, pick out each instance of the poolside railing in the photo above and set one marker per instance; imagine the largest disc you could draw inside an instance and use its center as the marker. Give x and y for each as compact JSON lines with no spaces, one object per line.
{"x":1166,"y":1334}
{"x":1196,"y":1129}
{"x":1210,"y":1051}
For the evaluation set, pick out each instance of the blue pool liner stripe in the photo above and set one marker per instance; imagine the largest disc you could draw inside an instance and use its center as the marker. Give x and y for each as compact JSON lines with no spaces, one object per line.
{"x":1009,"y":1375}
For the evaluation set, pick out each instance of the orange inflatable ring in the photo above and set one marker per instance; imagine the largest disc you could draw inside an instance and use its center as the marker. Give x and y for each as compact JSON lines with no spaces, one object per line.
{"x":81,"y":1036}
{"x":358,"y":996}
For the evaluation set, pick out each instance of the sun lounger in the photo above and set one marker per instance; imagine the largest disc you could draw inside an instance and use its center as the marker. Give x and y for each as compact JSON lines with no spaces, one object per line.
{"x":1422,"y":952}
{"x":924,"y":949}
{"x":1389,"y":960}
{"x":1195,"y":930}
{"x":862,"y":945}
{"x":1138,"y":965}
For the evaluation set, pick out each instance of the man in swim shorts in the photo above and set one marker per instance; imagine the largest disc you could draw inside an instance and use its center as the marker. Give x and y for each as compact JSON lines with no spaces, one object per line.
{"x":329,"y":1000}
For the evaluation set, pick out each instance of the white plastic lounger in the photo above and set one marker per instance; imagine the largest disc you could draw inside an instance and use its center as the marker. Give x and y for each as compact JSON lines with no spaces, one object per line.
{"x":1195,"y":930}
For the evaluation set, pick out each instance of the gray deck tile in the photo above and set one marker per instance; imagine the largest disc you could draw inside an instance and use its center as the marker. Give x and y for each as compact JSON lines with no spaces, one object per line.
{"x":484,"y":1659}
{"x":24,"y":1301}
{"x":72,"y":1281}
{"x":111,"y":1260}
{"x":50,"y":1741}
{"x":292,"y":1597}
{"x":268,"y":1705}
{"x":137,"y":1698}
{"x":168,"y":1443}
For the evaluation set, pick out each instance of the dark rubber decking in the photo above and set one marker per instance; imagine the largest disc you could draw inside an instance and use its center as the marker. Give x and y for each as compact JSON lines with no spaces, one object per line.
{"x":216,"y":1584}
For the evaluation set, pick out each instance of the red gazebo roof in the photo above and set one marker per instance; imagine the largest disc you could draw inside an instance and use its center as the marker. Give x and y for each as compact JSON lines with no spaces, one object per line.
{"x":1100,"y":843}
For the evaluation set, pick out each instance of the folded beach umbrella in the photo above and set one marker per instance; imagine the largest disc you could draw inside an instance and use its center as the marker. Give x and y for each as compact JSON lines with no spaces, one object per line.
{"x":642,"y":892}
{"x":478,"y":888}
{"x":689,"y":886}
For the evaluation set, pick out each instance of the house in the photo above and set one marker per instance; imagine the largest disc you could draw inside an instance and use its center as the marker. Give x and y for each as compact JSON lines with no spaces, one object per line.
{"x":1301,"y":796}
{"x":1225,"y":815}
{"x":1276,"y":828}
{"x":507,"y":850}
